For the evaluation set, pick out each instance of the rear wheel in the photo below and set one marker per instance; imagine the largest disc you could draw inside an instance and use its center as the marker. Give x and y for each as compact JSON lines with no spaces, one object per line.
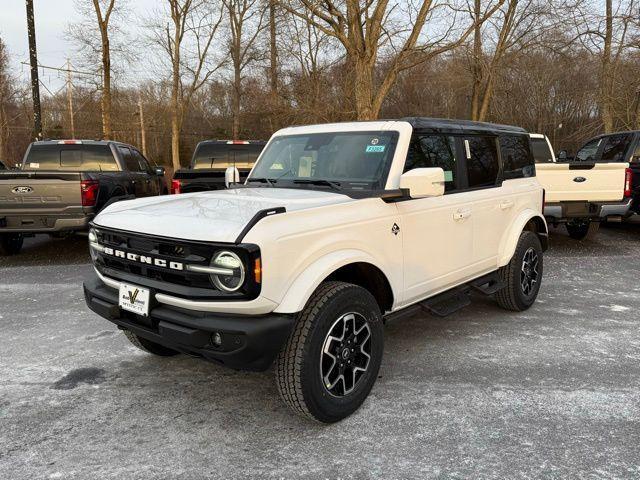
{"x":331,"y":360}
{"x":522,"y":275}
{"x":11,"y":243}
{"x":149,"y":346}
{"x":583,"y":229}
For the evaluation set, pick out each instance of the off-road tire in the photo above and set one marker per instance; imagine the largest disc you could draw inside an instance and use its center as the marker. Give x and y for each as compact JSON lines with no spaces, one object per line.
{"x":11,"y":243}
{"x":298,"y":365}
{"x":149,"y":346}
{"x":582,"y":231}
{"x":512,"y":297}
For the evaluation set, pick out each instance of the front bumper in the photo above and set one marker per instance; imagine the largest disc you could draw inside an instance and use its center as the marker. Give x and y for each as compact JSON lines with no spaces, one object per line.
{"x":563,"y":211}
{"x":249,"y":342}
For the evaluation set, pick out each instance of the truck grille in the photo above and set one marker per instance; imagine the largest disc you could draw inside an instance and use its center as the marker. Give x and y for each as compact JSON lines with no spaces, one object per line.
{"x":182,"y":283}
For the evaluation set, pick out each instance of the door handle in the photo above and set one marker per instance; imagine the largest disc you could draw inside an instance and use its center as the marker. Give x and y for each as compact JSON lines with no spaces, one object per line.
{"x":506,"y":204}
{"x":461,"y":214}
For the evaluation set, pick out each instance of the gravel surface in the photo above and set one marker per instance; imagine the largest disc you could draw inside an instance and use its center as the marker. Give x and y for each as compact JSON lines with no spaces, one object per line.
{"x":553,"y":392}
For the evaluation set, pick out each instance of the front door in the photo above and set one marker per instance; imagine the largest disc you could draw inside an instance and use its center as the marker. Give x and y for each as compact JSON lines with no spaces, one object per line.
{"x":437,"y":231}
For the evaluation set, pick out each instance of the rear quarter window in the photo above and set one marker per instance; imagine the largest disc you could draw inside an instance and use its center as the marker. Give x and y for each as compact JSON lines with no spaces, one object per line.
{"x":76,"y":158}
{"x":482,"y":161}
{"x":517,"y":160}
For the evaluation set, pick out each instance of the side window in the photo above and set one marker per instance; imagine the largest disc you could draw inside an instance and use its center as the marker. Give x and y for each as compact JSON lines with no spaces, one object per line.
{"x":482,"y":161}
{"x":615,"y":147}
{"x":142,"y":162}
{"x":517,"y":160}
{"x":434,"y":151}
{"x":589,"y":150}
{"x":130,"y":162}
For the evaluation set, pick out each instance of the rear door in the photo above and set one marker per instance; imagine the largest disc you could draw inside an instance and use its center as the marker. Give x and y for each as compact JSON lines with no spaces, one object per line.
{"x":487,"y":199}
{"x":131,"y":164}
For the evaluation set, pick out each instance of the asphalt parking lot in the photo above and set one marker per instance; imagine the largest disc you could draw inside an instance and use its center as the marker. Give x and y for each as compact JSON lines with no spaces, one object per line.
{"x":550,"y":393}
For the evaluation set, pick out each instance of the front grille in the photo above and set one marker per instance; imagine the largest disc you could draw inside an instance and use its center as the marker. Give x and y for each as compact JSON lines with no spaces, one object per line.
{"x":182,"y":283}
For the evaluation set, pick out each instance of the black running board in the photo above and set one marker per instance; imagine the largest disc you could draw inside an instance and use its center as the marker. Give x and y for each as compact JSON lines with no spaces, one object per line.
{"x":451,"y":301}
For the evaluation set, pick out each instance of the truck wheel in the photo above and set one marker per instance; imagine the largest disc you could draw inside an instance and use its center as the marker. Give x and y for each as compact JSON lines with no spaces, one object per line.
{"x":149,"y":346}
{"x":580,"y":231}
{"x":331,"y":359}
{"x":11,"y":243}
{"x":522,"y":275}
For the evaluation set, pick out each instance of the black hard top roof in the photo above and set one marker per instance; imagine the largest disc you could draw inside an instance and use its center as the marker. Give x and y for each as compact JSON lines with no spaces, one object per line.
{"x":452,"y":126}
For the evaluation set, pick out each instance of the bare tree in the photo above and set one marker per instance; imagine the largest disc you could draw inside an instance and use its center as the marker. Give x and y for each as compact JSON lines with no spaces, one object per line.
{"x":187,"y":41}
{"x":99,"y":36}
{"x":364,"y":26}
{"x":517,"y":25}
{"x":6,"y":96}
{"x":246,"y":22}
{"x":608,"y":36}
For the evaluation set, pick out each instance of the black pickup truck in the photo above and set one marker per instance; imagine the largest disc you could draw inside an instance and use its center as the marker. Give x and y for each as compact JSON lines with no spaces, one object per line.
{"x":63,"y":184}
{"x":210,"y":161}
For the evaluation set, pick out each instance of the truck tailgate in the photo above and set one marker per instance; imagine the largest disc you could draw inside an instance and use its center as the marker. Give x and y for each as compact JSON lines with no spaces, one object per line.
{"x":587,"y":182}
{"x":38,"y":195}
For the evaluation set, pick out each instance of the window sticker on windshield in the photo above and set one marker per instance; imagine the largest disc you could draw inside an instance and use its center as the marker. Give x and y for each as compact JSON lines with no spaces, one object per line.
{"x":276,"y":166}
{"x":448,"y":176}
{"x":34,"y":165}
{"x":375,"y":148}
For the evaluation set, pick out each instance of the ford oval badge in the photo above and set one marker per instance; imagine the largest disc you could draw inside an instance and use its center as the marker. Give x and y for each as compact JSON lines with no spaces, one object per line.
{"x":22,"y":190}
{"x":579,"y":179}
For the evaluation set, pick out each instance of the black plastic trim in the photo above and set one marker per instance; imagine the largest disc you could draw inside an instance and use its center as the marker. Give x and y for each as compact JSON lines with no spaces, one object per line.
{"x":256,"y":218}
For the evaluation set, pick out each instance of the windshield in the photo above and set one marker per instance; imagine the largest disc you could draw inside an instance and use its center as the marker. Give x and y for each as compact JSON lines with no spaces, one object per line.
{"x":75,"y":158}
{"x":222,"y":155}
{"x":352,"y":160}
{"x":541,"y":151}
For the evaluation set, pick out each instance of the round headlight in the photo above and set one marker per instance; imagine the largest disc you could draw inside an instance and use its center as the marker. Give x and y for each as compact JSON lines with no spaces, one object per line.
{"x":93,"y":237}
{"x":233,"y":276}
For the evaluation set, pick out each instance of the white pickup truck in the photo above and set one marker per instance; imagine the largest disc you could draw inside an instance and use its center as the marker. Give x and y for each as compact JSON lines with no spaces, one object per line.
{"x":595,"y":186}
{"x":337,"y":228}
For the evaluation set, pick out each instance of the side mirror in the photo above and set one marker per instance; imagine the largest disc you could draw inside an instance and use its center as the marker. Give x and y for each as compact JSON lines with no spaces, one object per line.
{"x":562,"y":155}
{"x":231,"y":176}
{"x":159,"y":171}
{"x":423,"y":182}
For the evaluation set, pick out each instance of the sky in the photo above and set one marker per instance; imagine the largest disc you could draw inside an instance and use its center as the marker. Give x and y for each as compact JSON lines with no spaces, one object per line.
{"x":52,"y":18}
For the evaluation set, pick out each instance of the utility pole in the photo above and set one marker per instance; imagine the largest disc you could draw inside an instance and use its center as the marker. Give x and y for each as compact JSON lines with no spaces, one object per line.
{"x":70,"y":99}
{"x":143,"y":132}
{"x":35,"y":84}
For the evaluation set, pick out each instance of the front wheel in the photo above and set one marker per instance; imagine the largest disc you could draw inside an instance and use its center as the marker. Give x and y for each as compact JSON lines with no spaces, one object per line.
{"x":522,"y":275}
{"x":11,"y":243}
{"x":331,"y":360}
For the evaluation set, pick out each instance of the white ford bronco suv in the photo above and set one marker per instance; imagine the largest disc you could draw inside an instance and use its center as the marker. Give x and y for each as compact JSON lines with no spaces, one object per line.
{"x":337,"y":228}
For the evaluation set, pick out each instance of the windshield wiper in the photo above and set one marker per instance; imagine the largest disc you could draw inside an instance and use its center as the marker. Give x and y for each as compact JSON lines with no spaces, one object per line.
{"x":328,"y":183}
{"x":270,"y":181}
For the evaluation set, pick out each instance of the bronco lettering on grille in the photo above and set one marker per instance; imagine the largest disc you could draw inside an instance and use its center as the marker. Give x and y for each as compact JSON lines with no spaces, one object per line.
{"x":134,"y":257}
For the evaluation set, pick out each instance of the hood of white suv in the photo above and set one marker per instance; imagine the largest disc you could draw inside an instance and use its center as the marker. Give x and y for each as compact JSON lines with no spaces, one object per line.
{"x":216,"y":216}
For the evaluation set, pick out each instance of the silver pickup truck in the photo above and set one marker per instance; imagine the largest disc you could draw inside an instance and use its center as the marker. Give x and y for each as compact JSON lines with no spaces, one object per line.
{"x":63,"y":184}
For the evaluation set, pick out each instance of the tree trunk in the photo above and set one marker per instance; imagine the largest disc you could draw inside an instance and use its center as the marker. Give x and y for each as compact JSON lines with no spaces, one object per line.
{"x":486,"y":99}
{"x":606,"y":77}
{"x":273,"y":52}
{"x":176,"y":116}
{"x":106,"y":88}
{"x":235,"y":106}
{"x":476,"y":66}
{"x":363,"y":90}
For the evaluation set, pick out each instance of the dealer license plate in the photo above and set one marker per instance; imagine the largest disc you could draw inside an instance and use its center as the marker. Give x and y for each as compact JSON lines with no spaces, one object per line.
{"x":134,"y":299}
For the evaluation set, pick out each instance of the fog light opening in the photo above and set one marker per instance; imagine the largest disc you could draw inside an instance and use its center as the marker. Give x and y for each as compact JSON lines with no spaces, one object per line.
{"x":216,"y":339}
